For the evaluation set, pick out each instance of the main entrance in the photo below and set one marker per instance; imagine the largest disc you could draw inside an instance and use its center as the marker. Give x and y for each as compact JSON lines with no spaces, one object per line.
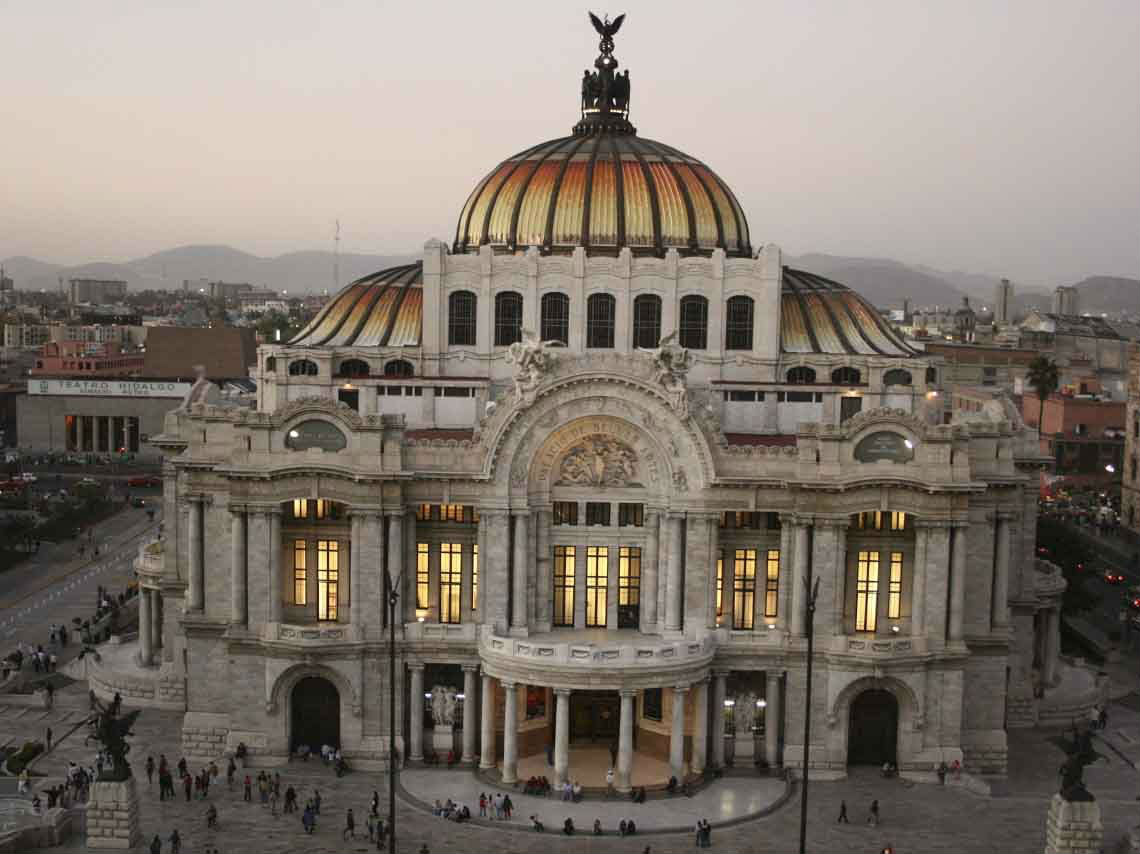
{"x":873,"y":729}
{"x":595,"y":716}
{"x":315,"y":714}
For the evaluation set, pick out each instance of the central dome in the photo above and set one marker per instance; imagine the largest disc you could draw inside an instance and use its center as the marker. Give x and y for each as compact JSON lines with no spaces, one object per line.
{"x":603,"y":188}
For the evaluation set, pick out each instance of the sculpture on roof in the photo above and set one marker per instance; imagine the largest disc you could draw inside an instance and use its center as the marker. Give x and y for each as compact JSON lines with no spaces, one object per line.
{"x":532,"y":360}
{"x":604,"y":90}
{"x":671,"y":363}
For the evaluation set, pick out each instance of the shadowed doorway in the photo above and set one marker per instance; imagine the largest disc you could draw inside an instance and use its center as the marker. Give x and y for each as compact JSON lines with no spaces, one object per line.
{"x":315,"y":714}
{"x":873,"y":728}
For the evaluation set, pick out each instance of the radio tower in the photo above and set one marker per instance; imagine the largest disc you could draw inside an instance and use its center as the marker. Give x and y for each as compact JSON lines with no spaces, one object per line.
{"x":336,"y":259}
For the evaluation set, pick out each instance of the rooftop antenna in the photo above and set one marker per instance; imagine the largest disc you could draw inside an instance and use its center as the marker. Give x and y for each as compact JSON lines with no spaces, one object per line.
{"x":336,"y":259}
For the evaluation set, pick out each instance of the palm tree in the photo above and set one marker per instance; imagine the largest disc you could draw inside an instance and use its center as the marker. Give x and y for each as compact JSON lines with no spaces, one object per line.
{"x":1044,"y":379}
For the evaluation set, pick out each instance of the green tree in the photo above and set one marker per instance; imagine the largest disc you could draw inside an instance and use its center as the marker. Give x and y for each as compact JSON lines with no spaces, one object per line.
{"x":1044,"y":379}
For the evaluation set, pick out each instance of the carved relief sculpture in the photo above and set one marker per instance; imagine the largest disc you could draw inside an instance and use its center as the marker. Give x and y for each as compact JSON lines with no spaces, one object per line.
{"x":532,"y":360}
{"x":443,"y":699}
{"x":744,"y":713}
{"x":671,"y":364}
{"x":599,"y":461}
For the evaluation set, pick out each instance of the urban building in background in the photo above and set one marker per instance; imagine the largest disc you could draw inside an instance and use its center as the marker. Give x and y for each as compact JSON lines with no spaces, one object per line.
{"x":96,"y":291}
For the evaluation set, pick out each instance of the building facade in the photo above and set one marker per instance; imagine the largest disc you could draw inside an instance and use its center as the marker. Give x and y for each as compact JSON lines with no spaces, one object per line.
{"x":595,"y":448}
{"x":97,"y":291}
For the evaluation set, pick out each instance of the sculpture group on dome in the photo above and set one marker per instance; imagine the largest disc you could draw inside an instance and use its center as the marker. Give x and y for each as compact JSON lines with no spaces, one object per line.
{"x":604,"y":90}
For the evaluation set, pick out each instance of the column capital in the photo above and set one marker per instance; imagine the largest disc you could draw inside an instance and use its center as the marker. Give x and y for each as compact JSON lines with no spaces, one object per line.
{"x":933,"y":524}
{"x":506,"y":686}
{"x":677,"y":515}
{"x":562,"y":692}
{"x":416,"y":665}
{"x":681,"y":689}
{"x":521,"y":511}
{"x":365,"y":512}
{"x":470,"y":668}
{"x":1006,"y":515}
{"x":721,"y":672}
{"x":836,"y":522}
{"x":397,"y":512}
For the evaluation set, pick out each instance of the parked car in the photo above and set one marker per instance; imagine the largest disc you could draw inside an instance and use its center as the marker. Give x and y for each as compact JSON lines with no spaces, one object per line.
{"x":144,"y":481}
{"x":1112,"y":576}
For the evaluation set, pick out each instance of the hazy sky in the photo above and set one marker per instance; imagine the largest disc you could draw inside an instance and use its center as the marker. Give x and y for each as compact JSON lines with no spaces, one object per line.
{"x":996,"y":136}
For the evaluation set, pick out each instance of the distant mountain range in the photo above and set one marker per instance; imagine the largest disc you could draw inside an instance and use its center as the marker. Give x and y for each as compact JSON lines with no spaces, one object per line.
{"x":883,"y":281}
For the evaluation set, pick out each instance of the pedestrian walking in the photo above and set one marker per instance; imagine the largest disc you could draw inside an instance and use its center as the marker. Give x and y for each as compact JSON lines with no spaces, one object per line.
{"x":175,"y":842}
{"x":610,"y":783}
{"x":873,"y":818}
{"x":231,"y":770}
{"x":47,"y":738}
{"x":842,"y":813}
{"x":507,"y":806}
{"x":187,"y":784}
{"x":316,"y":802}
{"x":212,"y":817}
{"x":374,"y":806}
{"x":248,"y":786}
{"x":156,"y":845}
{"x":482,"y":805}
{"x":349,"y":825}
{"x":308,"y":819}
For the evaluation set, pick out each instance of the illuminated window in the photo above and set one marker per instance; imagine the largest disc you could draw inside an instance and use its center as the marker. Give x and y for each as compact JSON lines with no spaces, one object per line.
{"x":300,"y":566}
{"x":450,"y":580}
{"x":423,"y":571}
{"x":564,"y":585}
{"x":300,"y":508}
{"x":719,"y":586}
{"x":743,"y":588}
{"x":597,"y":573}
{"x":772,"y":584}
{"x":451,"y":512}
{"x":629,"y":586}
{"x":322,"y":508}
{"x":474,"y":576}
{"x":894,"y":588}
{"x":898,"y":520}
{"x":328,"y":576}
{"x":867,"y":592}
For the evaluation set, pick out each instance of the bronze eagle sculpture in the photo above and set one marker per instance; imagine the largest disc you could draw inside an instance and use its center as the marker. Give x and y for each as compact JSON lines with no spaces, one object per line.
{"x":607,"y":29}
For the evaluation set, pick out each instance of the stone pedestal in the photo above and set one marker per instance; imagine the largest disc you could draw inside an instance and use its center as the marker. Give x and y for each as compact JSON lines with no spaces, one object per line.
{"x":1073,"y":827}
{"x":744,"y":749}
{"x":113,"y":816}
{"x":443,"y":740}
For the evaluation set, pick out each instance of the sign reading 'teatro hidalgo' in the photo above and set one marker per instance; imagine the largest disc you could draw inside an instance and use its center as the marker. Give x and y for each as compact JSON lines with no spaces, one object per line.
{"x":108,"y":388}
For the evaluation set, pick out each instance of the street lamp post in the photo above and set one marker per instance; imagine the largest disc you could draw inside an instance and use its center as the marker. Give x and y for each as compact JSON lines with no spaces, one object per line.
{"x":393,"y":600}
{"x":813,"y":592}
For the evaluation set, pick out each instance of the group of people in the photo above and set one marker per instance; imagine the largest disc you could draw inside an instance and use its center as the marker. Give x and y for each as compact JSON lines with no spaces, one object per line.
{"x":452,"y":811}
{"x":499,"y":805}
{"x":572,"y":791}
{"x":872,"y":813}
{"x":537,"y":786}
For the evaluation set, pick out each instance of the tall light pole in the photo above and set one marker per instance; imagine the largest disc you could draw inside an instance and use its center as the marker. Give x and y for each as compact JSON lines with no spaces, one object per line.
{"x":393,"y":601}
{"x":812,"y":593}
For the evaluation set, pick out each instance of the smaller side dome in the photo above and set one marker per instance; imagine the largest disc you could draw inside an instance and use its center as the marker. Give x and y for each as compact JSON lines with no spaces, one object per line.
{"x":381,"y":310}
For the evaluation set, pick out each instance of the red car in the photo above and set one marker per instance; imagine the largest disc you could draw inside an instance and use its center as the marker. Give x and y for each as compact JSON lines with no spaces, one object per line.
{"x":144,"y":481}
{"x":1111,"y":576}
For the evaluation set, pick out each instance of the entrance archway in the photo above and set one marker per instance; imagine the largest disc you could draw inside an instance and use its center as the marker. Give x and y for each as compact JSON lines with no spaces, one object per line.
{"x":873,"y":728}
{"x":314,"y":714}
{"x":594,"y":716}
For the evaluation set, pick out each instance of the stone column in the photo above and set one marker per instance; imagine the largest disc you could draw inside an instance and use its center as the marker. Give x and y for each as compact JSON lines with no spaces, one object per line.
{"x":958,"y":584}
{"x":156,"y":622}
{"x":355,"y":599}
{"x":276,"y":594}
{"x":1001,"y":571}
{"x":407,"y":560}
{"x":146,"y":648}
{"x":649,"y":573}
{"x":238,"y":580}
{"x":677,"y":736}
{"x":787,"y":572}
{"x":918,"y":588}
{"x":561,"y":735}
{"x":510,"y":733}
{"x":700,"y":726}
{"x":676,"y":589}
{"x":195,"y":592}
{"x":544,"y":568}
{"x":799,"y":593}
{"x":839,"y":531}
{"x":625,"y":742}
{"x":469,"y":691}
{"x":720,"y":690}
{"x":772,"y":719}
{"x":487,"y":723}
{"x":518,"y":575}
{"x":396,"y":556}
{"x":1052,"y":647}
{"x":713,"y":522}
{"x":416,"y":714}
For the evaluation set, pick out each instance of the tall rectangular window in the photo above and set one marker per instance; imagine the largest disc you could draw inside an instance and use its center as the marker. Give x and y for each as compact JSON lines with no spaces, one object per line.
{"x":300,"y":508}
{"x":719,"y":585}
{"x":328,"y":578}
{"x":597,"y":513}
{"x":564,"y":585}
{"x":629,"y":587}
{"x":898,"y":520}
{"x":565,"y":512}
{"x":772,"y":584}
{"x":423,"y":575}
{"x":743,"y":588}
{"x":867,"y":591}
{"x":597,"y":579}
{"x":450,"y":581}
{"x":451,"y":512}
{"x":474,"y":576}
{"x":894,"y":587}
{"x":423,"y":512}
{"x":300,"y":572}
{"x":631,"y":515}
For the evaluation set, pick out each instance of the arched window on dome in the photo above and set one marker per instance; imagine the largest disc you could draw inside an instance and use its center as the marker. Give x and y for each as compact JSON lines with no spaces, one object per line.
{"x":352,"y":368}
{"x":738,"y":324}
{"x":647,"y":321}
{"x":801,"y":375}
{"x":461,"y":319}
{"x":600,"y":312}
{"x":846,"y":376}
{"x":555,"y":323}
{"x":399,"y":368}
{"x":897,"y":376}
{"x":303,"y":368}
{"x":508,"y":318}
{"x":694,"y":322}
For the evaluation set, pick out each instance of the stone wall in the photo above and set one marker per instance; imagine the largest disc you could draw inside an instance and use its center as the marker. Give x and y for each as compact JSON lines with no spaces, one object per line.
{"x":204,"y":736}
{"x":159,"y":688}
{"x":1073,"y":827}
{"x":113,"y":816}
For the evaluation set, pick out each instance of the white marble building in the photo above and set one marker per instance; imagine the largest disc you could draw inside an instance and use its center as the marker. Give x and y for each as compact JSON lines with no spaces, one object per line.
{"x":601,"y":530}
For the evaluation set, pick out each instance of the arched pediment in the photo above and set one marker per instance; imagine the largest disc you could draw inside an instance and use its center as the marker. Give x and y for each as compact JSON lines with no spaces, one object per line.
{"x":292,"y":411}
{"x":279,"y":689}
{"x":910,"y":710}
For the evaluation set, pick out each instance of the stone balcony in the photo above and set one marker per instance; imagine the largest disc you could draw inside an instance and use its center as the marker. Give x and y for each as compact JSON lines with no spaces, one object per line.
{"x":149,"y":564}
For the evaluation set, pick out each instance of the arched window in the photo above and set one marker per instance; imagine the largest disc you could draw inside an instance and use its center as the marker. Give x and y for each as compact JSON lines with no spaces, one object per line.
{"x":738,"y":324}
{"x":461,"y":319}
{"x":896,"y":376}
{"x":352,"y":368}
{"x":271,"y":364}
{"x":508,"y":318}
{"x":303,"y":368}
{"x":600,"y":311}
{"x":694,"y":322}
{"x":647,"y":321}
{"x":555,"y":323}
{"x":801,"y":375}
{"x":931,"y":376}
{"x":399,"y":368}
{"x":845,"y":376}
